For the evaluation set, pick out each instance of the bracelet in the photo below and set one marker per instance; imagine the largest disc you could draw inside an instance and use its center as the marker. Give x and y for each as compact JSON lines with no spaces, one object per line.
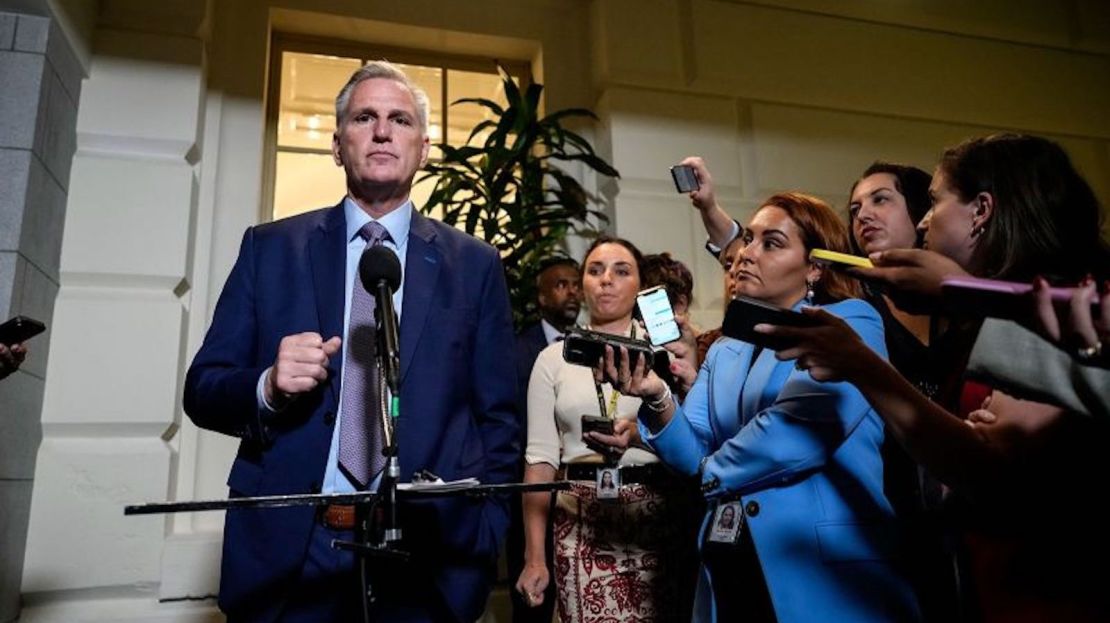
{"x":659,"y":405}
{"x":712,"y":483}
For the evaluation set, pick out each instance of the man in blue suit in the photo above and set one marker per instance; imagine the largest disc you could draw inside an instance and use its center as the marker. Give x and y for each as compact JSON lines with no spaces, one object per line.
{"x":280,"y":368}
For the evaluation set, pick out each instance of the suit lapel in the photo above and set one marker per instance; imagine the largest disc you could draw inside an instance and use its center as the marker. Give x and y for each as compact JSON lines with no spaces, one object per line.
{"x":725,"y":403}
{"x":755,"y":383}
{"x":327,"y":251}
{"x":422,"y":266}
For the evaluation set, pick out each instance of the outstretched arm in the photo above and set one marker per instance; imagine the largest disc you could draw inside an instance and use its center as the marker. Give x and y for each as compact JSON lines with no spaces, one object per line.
{"x":718,"y":224}
{"x":960,"y":456}
{"x":805,"y":425}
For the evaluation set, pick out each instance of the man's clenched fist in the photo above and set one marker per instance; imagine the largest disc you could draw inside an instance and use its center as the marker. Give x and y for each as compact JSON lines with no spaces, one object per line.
{"x":301,"y":364}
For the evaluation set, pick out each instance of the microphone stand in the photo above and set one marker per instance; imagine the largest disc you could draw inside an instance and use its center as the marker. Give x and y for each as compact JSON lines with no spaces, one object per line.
{"x":379,"y":531}
{"x":389,"y":365}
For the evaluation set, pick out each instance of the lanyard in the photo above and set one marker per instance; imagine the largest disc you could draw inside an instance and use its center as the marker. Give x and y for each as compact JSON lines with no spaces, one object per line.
{"x":610,"y":411}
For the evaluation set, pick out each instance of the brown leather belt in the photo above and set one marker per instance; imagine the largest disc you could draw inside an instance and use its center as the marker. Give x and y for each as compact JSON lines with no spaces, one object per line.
{"x":338,"y":516}
{"x":630,"y":474}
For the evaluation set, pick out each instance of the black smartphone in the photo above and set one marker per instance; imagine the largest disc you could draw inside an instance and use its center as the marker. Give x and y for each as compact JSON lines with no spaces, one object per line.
{"x":597,"y":424}
{"x":19,"y":330}
{"x":583,"y":348}
{"x":685,"y":180}
{"x":744,"y":313}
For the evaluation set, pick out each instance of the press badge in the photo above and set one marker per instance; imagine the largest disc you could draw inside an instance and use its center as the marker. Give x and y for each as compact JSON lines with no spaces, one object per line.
{"x":727,"y":522}
{"x":608,"y":483}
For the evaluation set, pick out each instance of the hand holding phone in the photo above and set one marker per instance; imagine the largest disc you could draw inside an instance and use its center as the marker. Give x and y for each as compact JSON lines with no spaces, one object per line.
{"x":597,"y":424}
{"x":685,"y":179}
{"x":586,"y":348}
{"x":744,"y":313}
{"x":19,"y":330}
{"x":998,"y":299}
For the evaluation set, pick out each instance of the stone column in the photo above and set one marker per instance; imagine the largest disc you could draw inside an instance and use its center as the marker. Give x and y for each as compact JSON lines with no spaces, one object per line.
{"x":111,"y":407}
{"x":41,"y":80}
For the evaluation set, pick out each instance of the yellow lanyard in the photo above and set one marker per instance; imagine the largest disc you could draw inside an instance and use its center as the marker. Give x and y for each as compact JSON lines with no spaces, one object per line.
{"x":611,"y":412}
{"x":613,"y":397}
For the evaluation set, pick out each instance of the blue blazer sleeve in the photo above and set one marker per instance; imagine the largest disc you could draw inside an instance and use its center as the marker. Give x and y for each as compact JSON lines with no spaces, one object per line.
{"x":220,"y":386}
{"x":689,"y":435}
{"x":785,"y":441}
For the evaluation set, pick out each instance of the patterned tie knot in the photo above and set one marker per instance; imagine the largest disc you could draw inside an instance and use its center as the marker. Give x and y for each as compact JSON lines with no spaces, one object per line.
{"x":374,"y":233}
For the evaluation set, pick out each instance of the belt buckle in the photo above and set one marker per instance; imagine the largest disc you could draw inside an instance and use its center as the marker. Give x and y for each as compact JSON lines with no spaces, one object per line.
{"x":338,"y":516}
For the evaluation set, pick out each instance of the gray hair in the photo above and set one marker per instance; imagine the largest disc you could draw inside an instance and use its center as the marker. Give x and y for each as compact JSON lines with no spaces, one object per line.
{"x":389,"y":71}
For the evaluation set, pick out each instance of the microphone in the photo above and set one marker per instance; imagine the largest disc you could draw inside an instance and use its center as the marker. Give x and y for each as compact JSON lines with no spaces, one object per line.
{"x":380,"y":272}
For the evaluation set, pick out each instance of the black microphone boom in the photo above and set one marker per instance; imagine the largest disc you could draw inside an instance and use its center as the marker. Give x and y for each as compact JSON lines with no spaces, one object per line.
{"x":380,"y":272}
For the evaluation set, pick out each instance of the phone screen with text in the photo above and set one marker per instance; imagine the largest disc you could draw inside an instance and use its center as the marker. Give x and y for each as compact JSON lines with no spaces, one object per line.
{"x":658,"y":316}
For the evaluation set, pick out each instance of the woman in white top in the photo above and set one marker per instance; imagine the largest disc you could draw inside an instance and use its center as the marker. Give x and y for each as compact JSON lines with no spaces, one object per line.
{"x":625,"y":557}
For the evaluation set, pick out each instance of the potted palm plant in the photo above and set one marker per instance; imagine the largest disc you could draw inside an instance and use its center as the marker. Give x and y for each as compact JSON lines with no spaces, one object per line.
{"x":505,"y":185}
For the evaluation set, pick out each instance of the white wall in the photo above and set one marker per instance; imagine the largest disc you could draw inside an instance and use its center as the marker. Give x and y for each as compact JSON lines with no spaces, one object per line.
{"x":788,"y":94}
{"x":804,"y":94}
{"x":169,"y":167}
{"x":111,"y":407}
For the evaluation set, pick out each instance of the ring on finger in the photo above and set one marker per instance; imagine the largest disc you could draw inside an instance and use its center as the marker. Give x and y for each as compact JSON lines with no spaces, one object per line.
{"x":1089,"y":352}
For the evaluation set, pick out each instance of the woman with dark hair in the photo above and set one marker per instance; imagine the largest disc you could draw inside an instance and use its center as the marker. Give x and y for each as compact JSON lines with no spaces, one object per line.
{"x":799,"y":458}
{"x":637,"y":542}
{"x":660,"y":269}
{"x":886,"y":205}
{"x":884,"y":208}
{"x":1007,"y":207}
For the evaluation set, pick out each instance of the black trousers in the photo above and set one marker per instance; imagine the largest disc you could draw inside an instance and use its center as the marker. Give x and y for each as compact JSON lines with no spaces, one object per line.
{"x":739,"y":587}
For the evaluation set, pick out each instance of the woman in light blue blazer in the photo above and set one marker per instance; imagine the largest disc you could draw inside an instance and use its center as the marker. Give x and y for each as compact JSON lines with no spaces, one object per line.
{"x":797,"y":459}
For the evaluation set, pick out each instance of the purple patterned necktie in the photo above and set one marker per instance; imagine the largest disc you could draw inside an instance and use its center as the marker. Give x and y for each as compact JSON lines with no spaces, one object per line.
{"x":361,"y":437}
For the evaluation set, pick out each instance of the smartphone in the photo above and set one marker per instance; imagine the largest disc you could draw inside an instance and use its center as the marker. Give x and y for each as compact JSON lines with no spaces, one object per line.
{"x":998,"y":299}
{"x":658,"y":316}
{"x":583,"y":348}
{"x":19,"y":330}
{"x":744,"y":313}
{"x":685,"y":180}
{"x":597,"y":424}
{"x":824,"y":256}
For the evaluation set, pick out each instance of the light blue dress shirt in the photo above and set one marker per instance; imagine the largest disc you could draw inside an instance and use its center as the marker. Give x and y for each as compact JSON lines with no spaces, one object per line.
{"x":397,"y":224}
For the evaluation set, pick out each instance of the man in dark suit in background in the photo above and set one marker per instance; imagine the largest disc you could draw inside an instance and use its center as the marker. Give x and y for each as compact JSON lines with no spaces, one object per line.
{"x":286,"y":366}
{"x":558,"y":298}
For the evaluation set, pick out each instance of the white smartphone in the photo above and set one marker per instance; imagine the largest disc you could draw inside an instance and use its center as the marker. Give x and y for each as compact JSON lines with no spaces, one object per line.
{"x":655,"y":309}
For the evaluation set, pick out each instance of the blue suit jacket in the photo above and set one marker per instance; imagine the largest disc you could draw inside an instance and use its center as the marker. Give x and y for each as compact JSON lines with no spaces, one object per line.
{"x":803,"y":458}
{"x":457,"y":401}
{"x":529,"y":342}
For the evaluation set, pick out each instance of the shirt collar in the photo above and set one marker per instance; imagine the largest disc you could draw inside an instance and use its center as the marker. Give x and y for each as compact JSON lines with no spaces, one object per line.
{"x":550,"y":332}
{"x":397,"y":222}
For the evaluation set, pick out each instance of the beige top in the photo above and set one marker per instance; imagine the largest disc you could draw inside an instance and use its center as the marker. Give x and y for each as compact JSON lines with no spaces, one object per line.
{"x":559,"y":394}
